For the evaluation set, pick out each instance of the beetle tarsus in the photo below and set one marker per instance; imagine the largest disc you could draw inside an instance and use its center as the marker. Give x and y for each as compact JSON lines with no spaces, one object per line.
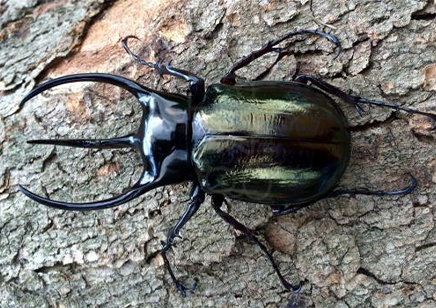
{"x":134,"y":56}
{"x":280,"y":210}
{"x":197,"y":198}
{"x":217,"y":201}
{"x":184,"y":290}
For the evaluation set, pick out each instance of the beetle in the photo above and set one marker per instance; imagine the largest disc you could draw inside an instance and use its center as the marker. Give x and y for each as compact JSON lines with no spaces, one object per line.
{"x":283,"y":144}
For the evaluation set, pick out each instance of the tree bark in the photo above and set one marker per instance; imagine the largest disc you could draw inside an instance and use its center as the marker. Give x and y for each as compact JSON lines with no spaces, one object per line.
{"x":359,"y":251}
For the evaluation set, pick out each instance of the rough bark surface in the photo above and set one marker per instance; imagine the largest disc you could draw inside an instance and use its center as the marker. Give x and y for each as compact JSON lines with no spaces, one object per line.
{"x":351,"y":251}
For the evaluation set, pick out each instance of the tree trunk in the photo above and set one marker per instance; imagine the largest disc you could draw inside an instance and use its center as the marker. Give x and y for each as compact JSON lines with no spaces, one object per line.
{"x":352,"y":251}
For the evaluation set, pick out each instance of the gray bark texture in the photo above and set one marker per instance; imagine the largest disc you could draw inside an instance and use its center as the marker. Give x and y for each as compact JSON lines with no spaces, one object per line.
{"x":359,"y":251}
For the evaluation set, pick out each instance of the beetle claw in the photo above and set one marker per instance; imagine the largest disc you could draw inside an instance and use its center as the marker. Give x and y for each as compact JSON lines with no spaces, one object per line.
{"x":359,"y":109}
{"x":298,"y":289}
{"x":158,"y":66}
{"x":136,"y":58}
{"x":184,"y":290}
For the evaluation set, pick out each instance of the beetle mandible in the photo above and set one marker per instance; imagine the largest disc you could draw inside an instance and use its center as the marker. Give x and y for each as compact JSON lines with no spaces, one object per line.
{"x":284,"y":144}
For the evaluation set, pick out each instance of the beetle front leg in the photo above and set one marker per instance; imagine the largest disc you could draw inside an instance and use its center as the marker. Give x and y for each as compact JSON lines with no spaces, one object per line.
{"x":197,"y":198}
{"x":196,"y":84}
{"x":217,"y":201}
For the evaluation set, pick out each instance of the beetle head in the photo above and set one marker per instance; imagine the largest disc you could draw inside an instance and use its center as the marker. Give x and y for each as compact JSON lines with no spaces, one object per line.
{"x":161,"y":140}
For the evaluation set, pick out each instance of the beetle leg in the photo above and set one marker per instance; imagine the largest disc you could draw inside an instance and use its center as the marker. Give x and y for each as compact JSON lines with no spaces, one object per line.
{"x":356,"y":100}
{"x":277,"y":211}
{"x":363,"y":191}
{"x":217,"y":201}
{"x":196,"y":84}
{"x":358,"y":191}
{"x":268,"y":70}
{"x":230,"y":77}
{"x":197,"y":198}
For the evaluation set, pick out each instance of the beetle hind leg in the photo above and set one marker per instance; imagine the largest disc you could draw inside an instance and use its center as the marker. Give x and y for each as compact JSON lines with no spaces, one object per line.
{"x":357,"y":100}
{"x":363,"y":191}
{"x":217,"y":201}
{"x":278,"y":211}
{"x":197,"y":198}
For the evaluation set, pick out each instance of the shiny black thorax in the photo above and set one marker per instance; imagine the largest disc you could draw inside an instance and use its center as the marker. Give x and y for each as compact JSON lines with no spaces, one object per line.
{"x":164,"y":138}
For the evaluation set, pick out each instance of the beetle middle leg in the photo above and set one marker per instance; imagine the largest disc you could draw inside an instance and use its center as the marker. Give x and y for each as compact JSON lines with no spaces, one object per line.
{"x":197,"y":198}
{"x":230,"y":77}
{"x":196,"y":84}
{"x":217,"y":201}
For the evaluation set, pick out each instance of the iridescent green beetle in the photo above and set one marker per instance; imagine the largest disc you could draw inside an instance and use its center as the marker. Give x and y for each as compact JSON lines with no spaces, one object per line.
{"x":284,"y":144}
